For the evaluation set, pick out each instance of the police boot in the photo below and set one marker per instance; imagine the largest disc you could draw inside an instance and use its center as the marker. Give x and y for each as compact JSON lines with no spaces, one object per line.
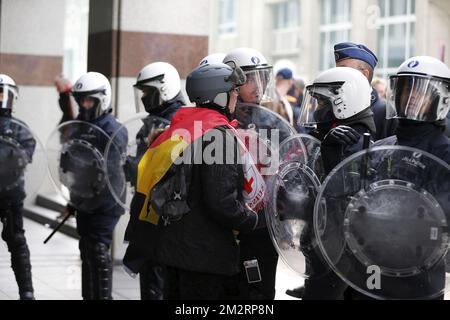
{"x":20,"y":263}
{"x":296,"y":292}
{"x":86,"y":280}
{"x":151,"y":279}
{"x":101,"y":270}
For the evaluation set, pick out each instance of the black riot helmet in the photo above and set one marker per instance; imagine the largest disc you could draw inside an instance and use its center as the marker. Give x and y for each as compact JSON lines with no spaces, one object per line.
{"x":210,"y":85}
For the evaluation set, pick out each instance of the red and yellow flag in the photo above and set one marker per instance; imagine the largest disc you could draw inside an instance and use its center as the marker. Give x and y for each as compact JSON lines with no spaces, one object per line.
{"x":168,"y":146}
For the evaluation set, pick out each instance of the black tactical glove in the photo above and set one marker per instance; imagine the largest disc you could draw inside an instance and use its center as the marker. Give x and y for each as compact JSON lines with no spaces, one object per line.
{"x":341,"y":135}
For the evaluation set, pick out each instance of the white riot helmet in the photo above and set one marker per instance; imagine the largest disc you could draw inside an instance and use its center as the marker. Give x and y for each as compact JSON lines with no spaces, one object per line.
{"x":336,"y":94}
{"x":419,"y":91}
{"x":9,"y":93}
{"x":157,"y":83}
{"x":257,"y":70}
{"x":93,"y":85}
{"x":213,"y":58}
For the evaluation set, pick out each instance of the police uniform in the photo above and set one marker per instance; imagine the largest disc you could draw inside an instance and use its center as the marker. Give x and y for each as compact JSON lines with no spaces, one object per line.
{"x":96,"y":217}
{"x":11,"y":211}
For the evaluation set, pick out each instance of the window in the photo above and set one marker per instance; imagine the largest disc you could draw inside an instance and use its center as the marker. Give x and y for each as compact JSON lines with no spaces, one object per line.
{"x":227,"y":17}
{"x":335,"y":27}
{"x":286,"y":14}
{"x":286,"y":28}
{"x":75,"y":38}
{"x":396,"y":34}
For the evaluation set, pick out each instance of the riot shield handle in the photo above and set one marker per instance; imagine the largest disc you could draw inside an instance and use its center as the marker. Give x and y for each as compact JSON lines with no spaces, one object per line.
{"x":366,"y":141}
{"x":365,"y":162}
{"x":70,"y":212}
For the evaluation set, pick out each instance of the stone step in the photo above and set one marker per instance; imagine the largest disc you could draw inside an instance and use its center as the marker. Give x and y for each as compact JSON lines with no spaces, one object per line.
{"x":51,"y":218}
{"x":52,"y":202}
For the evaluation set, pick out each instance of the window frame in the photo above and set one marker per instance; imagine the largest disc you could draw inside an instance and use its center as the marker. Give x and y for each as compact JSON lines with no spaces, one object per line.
{"x":386,"y":20}
{"x":229,"y":27}
{"x":326,"y":28}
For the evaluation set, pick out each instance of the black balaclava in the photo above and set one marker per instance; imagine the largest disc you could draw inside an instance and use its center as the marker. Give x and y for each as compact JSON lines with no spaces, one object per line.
{"x":151,"y":100}
{"x":89,"y":114}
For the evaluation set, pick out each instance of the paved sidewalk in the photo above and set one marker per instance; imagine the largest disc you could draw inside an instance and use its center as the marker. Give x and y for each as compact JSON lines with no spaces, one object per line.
{"x":56,"y":269}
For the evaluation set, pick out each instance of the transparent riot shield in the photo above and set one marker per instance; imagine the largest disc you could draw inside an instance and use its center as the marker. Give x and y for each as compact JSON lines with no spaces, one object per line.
{"x":22,"y":159}
{"x":303,"y":148}
{"x":381,"y":222}
{"x":263,"y":131}
{"x":264,"y":121}
{"x":76,"y":160}
{"x":289,"y":212}
{"x":140,"y":129}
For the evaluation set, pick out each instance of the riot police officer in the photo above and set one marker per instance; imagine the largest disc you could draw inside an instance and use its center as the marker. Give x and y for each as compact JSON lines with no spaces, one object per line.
{"x":212,"y":58}
{"x":158,"y":92}
{"x":418,"y":95}
{"x":13,"y":194}
{"x":96,"y":217}
{"x":337,"y":104}
{"x":256,"y":245}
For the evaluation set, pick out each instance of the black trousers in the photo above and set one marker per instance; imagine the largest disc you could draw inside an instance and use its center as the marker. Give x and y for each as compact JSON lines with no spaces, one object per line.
{"x":96,"y":227}
{"x":11,"y":214}
{"x":258,"y":245}
{"x":151,"y":279}
{"x":96,"y":232}
{"x":189,"y":285}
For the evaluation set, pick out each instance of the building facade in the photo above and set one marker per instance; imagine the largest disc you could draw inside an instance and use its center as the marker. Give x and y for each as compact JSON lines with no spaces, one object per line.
{"x":303,"y":32}
{"x":42,"y":39}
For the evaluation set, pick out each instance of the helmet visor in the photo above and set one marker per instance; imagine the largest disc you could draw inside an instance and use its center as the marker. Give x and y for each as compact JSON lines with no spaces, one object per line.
{"x":8,"y":94}
{"x":89,"y":104}
{"x":417,"y":98}
{"x":147,"y":98}
{"x":317,"y":106}
{"x":256,"y":85}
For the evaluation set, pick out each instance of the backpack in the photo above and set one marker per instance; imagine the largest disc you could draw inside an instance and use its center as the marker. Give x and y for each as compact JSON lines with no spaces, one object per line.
{"x":168,"y":197}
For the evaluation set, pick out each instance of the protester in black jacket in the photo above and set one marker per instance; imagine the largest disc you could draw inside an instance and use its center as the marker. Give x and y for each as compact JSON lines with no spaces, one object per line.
{"x":187,"y":211}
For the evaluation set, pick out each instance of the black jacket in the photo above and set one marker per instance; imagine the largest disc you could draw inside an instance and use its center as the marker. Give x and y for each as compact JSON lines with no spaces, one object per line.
{"x":428,"y":137}
{"x":447,"y":125}
{"x":202,"y":240}
{"x":103,"y":203}
{"x":333,"y":154}
{"x":166,"y":111}
{"x":385,"y":127}
{"x":421,"y":135}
